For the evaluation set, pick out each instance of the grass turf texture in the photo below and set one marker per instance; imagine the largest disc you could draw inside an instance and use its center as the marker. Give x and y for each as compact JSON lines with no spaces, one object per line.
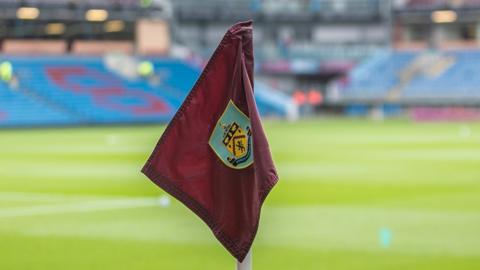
{"x":75,"y":199}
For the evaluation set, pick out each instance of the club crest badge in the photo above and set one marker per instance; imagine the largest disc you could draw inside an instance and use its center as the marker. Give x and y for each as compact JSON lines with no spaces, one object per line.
{"x":231,"y":138}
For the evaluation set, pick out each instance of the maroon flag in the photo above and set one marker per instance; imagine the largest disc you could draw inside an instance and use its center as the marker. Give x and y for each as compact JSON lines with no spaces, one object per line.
{"x":214,"y":156}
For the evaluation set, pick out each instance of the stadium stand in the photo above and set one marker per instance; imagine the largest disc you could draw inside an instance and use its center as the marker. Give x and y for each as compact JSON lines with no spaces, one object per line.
{"x":432,"y":77}
{"x":18,"y":109}
{"x":373,"y":78}
{"x":83,"y":87}
{"x":71,"y":90}
{"x":458,"y":82}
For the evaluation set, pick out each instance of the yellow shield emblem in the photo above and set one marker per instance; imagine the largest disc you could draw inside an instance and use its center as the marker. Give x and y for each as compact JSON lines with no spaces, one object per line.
{"x":231,"y":138}
{"x":235,"y":140}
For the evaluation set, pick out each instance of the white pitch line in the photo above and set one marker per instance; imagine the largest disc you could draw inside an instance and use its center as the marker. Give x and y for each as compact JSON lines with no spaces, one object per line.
{"x":35,"y":196}
{"x":28,"y":196}
{"x":99,"y":205}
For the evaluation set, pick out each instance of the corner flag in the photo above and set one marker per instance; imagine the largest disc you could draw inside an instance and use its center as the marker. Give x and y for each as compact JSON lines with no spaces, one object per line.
{"x":214,"y":156}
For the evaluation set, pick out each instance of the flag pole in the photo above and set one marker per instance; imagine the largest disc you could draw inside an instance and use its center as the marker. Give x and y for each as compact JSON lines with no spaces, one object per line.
{"x":247,"y":262}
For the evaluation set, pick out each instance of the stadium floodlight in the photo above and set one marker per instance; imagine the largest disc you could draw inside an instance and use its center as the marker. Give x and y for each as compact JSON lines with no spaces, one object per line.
{"x":28,"y":13}
{"x":96,"y":15}
{"x":444,"y":16}
{"x":114,"y":26}
{"x":55,"y":28}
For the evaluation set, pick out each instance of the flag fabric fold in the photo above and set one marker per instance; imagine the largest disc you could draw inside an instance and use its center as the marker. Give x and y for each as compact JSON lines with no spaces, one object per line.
{"x":214,"y":156}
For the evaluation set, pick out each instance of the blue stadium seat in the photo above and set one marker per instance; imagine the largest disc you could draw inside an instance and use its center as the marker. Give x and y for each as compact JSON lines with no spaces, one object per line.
{"x":81,"y":90}
{"x":459,"y":81}
{"x":18,"y":109}
{"x":379,"y":74}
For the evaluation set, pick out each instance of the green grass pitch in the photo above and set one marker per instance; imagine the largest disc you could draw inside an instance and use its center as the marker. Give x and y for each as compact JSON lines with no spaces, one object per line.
{"x":75,"y":199}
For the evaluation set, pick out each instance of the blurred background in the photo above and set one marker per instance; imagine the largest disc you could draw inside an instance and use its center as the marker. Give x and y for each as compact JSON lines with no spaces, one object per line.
{"x":371,"y":107}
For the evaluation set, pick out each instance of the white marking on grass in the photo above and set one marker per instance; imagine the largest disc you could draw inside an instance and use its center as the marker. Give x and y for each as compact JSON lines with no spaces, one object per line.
{"x":35,"y":196}
{"x":112,"y":139}
{"x":464,"y":132}
{"x":89,"y":206}
{"x":68,"y":170}
{"x":164,"y":201}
